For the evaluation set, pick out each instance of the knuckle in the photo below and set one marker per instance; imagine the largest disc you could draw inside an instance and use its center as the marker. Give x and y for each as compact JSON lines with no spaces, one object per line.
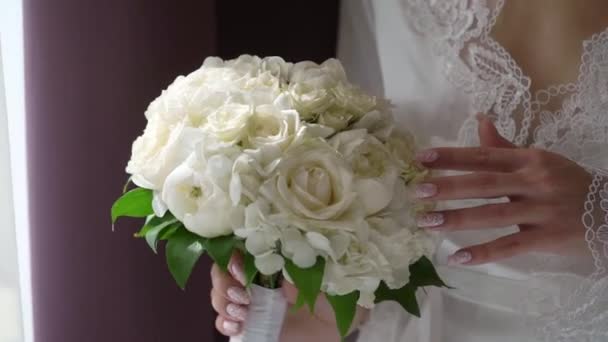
{"x":483,"y":156}
{"x":512,"y":246}
{"x":540,"y":158}
{"x":480,"y":253}
{"x":219,"y":325}
{"x":501,"y":211}
{"x":454,"y":218}
{"x":487,"y":181}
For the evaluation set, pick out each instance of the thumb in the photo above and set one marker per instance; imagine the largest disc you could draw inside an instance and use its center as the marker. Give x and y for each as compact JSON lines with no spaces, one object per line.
{"x":489,"y":136}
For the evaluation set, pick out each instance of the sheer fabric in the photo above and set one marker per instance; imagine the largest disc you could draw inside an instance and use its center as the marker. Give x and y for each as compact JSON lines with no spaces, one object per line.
{"x":10,"y":315}
{"x":437,"y":61}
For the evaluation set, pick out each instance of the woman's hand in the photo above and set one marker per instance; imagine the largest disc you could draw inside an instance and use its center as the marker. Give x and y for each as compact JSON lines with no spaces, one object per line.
{"x":230,"y":300}
{"x":546,"y":195}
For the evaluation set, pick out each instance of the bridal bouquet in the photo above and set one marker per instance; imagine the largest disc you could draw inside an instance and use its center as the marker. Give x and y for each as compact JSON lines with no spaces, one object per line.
{"x":294,"y":167}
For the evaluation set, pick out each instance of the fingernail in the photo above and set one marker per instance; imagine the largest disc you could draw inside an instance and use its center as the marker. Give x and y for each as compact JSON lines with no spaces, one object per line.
{"x":431,"y":220}
{"x":238,"y":273}
{"x":231,"y":327}
{"x":427,"y":156}
{"x":459,"y":258}
{"x":480,"y":116}
{"x":426,"y":190}
{"x":237,"y":312}
{"x":238,"y":295}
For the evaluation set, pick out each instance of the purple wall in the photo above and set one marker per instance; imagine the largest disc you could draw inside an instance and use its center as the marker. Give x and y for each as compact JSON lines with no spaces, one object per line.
{"x":92,"y":67}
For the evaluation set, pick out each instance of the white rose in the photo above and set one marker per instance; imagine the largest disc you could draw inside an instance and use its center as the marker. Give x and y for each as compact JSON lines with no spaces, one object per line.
{"x":336,"y":118}
{"x":269,"y":126}
{"x":328,"y":73}
{"x":196,"y":193}
{"x":229,"y":122}
{"x":277,"y":67}
{"x":159,"y":151}
{"x":244,"y":64}
{"x":375,"y":171}
{"x":352,"y":100}
{"x":378,"y":123}
{"x":313,"y":182}
{"x":311,"y":86}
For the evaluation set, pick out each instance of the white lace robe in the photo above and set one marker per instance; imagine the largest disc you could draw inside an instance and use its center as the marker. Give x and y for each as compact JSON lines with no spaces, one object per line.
{"x":438,"y":64}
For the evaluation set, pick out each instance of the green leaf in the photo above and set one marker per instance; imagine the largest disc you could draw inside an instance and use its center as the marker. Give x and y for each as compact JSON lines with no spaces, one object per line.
{"x":220,"y":249}
{"x":423,"y":273}
{"x":406,"y":296}
{"x":250,"y":270}
{"x":167,"y":233}
{"x":153,"y":221}
{"x":152,"y":235}
{"x":183,"y":251}
{"x":135,"y":203}
{"x":307,"y":280}
{"x":298,"y":304}
{"x":345,"y":308}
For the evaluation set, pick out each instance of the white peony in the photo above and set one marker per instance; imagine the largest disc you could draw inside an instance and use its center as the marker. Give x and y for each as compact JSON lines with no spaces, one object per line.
{"x":229,"y":122}
{"x":196,"y":193}
{"x":159,"y":151}
{"x":375,"y":171}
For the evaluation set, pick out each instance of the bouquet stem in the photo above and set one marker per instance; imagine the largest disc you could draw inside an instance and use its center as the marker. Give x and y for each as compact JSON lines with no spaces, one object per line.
{"x":266,"y":315}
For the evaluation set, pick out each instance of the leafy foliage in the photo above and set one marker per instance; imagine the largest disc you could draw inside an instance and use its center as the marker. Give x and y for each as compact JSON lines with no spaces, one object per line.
{"x":183,"y":251}
{"x":423,"y":273}
{"x":345,"y":308}
{"x":307,"y":280}
{"x":250,"y":271}
{"x":405,"y":296}
{"x":220,"y":249}
{"x":135,"y":203}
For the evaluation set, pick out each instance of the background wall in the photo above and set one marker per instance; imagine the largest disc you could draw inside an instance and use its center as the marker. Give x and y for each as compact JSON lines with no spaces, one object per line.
{"x":91,"y":69}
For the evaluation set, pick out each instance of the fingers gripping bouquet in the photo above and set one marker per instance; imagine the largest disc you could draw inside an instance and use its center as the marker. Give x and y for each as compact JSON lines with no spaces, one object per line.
{"x":291,"y":165}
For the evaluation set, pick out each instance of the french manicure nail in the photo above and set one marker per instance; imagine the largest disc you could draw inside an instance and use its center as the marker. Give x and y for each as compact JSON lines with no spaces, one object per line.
{"x":231,"y":327}
{"x":238,"y":295}
{"x":238,"y":273}
{"x":426,"y":190}
{"x":427,"y":156}
{"x":237,"y":312}
{"x":459,"y":258}
{"x":431,"y":220}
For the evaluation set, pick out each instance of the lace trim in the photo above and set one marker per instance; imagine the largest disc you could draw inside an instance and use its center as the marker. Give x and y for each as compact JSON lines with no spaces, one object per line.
{"x":595,"y":220}
{"x":482,"y":67}
{"x":582,"y":316}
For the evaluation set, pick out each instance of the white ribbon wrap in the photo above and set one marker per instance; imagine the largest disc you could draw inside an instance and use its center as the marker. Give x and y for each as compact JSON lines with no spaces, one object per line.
{"x":265,"y":317}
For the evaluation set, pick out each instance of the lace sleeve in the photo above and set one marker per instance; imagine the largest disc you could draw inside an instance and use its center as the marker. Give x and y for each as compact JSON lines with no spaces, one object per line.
{"x":583,"y":315}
